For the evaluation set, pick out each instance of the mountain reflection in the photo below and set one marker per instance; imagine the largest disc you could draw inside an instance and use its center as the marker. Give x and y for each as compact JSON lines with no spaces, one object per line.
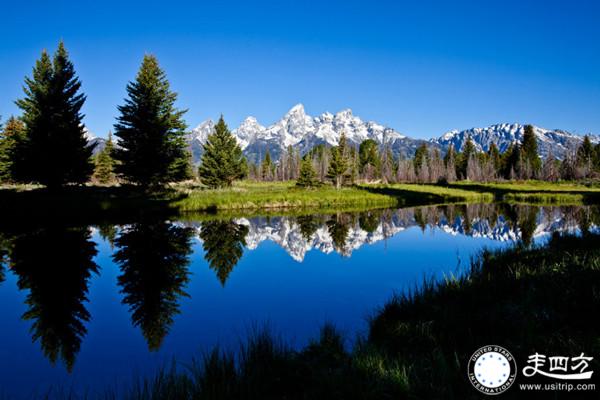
{"x":223,"y":243}
{"x":346,"y":232}
{"x":55,"y":265}
{"x":154,"y":258}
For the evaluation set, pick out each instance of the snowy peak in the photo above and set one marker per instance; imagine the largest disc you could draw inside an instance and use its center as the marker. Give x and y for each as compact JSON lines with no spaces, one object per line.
{"x":555,"y":142}
{"x":300,"y":130}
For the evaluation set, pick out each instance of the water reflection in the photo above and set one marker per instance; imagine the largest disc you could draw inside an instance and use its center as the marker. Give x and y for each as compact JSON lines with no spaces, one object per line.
{"x":223,"y":243}
{"x":153,"y":258}
{"x":55,"y":265}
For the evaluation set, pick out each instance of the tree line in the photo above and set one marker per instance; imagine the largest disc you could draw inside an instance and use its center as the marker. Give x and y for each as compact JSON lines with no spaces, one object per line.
{"x":47,"y":144}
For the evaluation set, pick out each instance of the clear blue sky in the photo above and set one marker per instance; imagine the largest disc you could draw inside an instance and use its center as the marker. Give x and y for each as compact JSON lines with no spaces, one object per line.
{"x":422,"y":67}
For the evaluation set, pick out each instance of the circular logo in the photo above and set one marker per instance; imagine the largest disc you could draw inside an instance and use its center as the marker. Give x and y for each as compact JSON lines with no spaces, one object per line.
{"x":492,"y":369}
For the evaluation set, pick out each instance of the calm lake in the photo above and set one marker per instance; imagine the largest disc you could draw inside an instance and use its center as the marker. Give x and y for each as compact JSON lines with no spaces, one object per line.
{"x":86,"y":308}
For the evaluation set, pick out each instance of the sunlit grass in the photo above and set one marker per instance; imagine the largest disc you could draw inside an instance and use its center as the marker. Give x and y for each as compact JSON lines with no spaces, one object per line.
{"x":272,"y":195}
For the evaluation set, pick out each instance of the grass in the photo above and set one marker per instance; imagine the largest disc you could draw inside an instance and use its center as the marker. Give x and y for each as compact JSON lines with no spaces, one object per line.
{"x":536,"y":192}
{"x":277,"y":195}
{"x":413,"y":194}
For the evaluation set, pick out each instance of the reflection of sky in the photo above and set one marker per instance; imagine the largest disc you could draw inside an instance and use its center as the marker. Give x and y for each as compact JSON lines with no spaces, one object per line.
{"x":267,"y":286}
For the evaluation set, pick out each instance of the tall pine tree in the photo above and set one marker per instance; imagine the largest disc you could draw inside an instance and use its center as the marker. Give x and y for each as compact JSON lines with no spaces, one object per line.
{"x":308,"y":176}
{"x":338,"y":166}
{"x":55,"y":151}
{"x":529,"y":152}
{"x":222,"y":161}
{"x":152,"y":149}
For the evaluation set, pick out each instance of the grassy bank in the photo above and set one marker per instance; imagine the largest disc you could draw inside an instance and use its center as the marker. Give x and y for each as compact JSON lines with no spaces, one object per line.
{"x":277,"y":195}
{"x":536,"y":192}
{"x":414,"y":194}
{"x":540,"y":299}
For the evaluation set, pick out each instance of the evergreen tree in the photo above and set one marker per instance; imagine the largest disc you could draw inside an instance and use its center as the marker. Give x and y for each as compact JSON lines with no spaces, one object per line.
{"x":338,"y":166}
{"x":450,"y":164}
{"x":11,"y":138}
{"x":462,"y":160}
{"x":529,"y":153}
{"x":104,"y":170}
{"x":266,"y":167}
{"x":222,"y":161}
{"x":494,"y":156}
{"x":55,"y":150}
{"x":152,"y":148}
{"x":368,"y":159}
{"x":585,"y":156}
{"x":308,"y":176}
{"x":420,"y":159}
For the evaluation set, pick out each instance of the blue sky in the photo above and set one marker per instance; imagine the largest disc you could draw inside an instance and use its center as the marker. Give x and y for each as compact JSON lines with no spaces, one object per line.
{"x":420,"y":67}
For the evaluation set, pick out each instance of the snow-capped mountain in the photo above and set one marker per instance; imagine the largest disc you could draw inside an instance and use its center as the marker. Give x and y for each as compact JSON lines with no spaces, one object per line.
{"x":556,"y":142}
{"x":303,"y":132}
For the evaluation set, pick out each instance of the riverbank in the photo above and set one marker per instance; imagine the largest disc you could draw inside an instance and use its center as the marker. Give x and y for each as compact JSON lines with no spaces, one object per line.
{"x":85,"y":202}
{"x":527,"y":299}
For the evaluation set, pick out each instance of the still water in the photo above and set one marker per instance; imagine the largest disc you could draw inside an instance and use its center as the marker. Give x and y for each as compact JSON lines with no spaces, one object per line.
{"x":86,"y":308}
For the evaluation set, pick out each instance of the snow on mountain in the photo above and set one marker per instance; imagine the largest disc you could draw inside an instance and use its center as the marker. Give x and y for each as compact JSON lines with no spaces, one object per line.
{"x":556,"y":142}
{"x":303,"y":132}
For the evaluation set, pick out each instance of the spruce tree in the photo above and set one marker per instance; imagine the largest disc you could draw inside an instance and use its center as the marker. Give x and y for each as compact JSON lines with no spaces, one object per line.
{"x":152,"y":149}
{"x":462,"y":160}
{"x":529,"y":153}
{"x":421,"y":158}
{"x":222,"y":161}
{"x":55,"y":151}
{"x":368,"y":159}
{"x":338,"y":166}
{"x":11,"y":138}
{"x":308,"y":176}
{"x":104,"y":170}
{"x":266,"y":167}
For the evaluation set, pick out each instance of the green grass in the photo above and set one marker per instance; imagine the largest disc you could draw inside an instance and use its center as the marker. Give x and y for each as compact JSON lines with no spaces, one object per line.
{"x":415,"y":194}
{"x":536,"y":192}
{"x":277,"y":195}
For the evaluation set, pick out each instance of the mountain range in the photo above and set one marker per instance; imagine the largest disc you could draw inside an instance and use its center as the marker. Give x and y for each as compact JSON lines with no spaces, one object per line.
{"x":303,"y":132}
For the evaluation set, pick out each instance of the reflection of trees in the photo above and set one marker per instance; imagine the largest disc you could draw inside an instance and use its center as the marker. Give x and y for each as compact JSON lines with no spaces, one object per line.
{"x":55,"y":265}
{"x":108,"y":232}
{"x":224,"y":243}
{"x":527,"y":222}
{"x":153,"y":258}
{"x":3,"y":255}
{"x":338,"y":227}
{"x":308,"y":225}
{"x":369,"y":220}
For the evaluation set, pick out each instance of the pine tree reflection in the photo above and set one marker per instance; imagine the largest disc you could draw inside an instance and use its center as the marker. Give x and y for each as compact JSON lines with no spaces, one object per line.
{"x":224,"y":243}
{"x":55,"y":265}
{"x":153,"y":257}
